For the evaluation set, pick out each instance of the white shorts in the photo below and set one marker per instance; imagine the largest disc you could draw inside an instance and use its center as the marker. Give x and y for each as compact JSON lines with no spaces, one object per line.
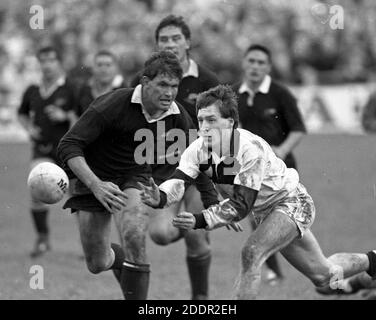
{"x":297,"y":205}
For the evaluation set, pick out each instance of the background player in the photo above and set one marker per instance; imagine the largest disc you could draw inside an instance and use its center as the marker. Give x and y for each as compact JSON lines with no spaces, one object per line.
{"x":269,"y":110}
{"x":174,"y":35}
{"x":105,"y":78}
{"x":46,"y":112}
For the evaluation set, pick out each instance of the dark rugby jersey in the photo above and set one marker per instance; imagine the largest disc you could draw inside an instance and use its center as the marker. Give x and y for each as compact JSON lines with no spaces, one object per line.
{"x":85,"y":97}
{"x":33,"y":105}
{"x":272,"y":116}
{"x":105,"y":136}
{"x":190,"y":86}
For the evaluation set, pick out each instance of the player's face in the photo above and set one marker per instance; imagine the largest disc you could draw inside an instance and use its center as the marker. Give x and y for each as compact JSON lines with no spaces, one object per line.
{"x":161,"y":91}
{"x":172,"y":39}
{"x":215,"y":130}
{"x":104,"y":68}
{"x":49,"y":64}
{"x":256,"y":66}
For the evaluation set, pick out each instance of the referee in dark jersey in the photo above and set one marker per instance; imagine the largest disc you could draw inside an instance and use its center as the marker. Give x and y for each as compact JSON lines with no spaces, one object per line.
{"x":268,"y":109}
{"x":46,"y":112}
{"x":173,"y":34}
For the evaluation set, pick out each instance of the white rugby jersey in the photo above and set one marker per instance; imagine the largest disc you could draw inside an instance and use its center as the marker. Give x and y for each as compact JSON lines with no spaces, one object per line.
{"x":252,"y":164}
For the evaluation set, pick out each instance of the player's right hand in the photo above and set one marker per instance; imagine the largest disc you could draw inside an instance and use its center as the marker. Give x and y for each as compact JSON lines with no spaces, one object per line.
{"x":150,"y":195}
{"x":34,"y":133}
{"x":110,"y":196}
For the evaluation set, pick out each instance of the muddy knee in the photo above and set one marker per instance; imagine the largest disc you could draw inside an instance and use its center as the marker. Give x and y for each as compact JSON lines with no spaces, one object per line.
{"x":252,"y":256}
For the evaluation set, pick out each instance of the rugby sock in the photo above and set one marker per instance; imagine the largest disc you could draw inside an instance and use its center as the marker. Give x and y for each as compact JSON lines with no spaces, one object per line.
{"x":198,"y":268}
{"x":40,"y":221}
{"x":134,"y":280}
{"x":119,"y":259}
{"x":273,"y":264}
{"x":372,"y":264}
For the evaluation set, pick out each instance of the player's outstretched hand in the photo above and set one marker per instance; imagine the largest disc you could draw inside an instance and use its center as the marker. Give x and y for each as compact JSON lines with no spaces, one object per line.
{"x":184,"y":220}
{"x":150,"y":195}
{"x":110,"y":196}
{"x":236,"y":226}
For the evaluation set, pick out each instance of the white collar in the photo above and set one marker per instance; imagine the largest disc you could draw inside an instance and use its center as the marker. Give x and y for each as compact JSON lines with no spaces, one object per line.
{"x":263,"y":88}
{"x":192,"y":70}
{"x":137,"y":98}
{"x":46,"y":93}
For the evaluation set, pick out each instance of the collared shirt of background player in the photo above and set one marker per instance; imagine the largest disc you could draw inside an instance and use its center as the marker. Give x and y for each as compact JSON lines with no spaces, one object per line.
{"x":268,"y":109}
{"x":174,"y":35}
{"x":256,"y":181}
{"x":105,"y":166}
{"x":105,"y":78}
{"x":46,"y":112}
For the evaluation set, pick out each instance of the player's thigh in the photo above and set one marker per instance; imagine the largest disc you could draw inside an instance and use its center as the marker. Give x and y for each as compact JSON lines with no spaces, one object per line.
{"x":275,"y":232}
{"x":133,"y":217}
{"x":192,"y":200}
{"x":95,"y":230}
{"x":306,"y":256}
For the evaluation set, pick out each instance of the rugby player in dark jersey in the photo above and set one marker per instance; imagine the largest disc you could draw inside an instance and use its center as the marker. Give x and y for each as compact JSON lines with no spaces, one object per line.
{"x":173,"y":34}
{"x":46,"y":112}
{"x":104,"y":153}
{"x":105,"y":78}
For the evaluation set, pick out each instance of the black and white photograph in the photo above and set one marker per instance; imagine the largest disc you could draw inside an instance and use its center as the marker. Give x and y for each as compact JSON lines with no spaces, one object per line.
{"x":204,"y":151}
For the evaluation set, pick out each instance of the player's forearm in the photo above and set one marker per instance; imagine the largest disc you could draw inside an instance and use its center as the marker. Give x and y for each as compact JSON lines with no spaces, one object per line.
{"x":174,"y":188}
{"x":83,"y":172}
{"x":232,"y":209}
{"x":292,"y":140}
{"x":24,"y":121}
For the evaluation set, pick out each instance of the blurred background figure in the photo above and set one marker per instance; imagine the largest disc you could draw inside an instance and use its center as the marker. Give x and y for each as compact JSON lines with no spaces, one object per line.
{"x":369,"y":115}
{"x":269,"y":110}
{"x":105,"y":78}
{"x":46,"y":112}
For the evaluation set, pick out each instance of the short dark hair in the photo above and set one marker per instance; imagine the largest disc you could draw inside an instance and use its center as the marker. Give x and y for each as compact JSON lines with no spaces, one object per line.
{"x":259,"y":47}
{"x":106,"y":53}
{"x":163,"y":62}
{"x":48,"y":49}
{"x":224,"y":97}
{"x":176,"y":21}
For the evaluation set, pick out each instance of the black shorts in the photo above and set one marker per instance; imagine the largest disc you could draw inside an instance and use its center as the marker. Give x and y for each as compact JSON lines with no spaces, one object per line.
{"x":45,"y":150}
{"x":83,"y":199}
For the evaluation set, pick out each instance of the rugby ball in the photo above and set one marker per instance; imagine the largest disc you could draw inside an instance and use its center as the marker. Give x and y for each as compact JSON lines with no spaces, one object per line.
{"x":48,"y":183}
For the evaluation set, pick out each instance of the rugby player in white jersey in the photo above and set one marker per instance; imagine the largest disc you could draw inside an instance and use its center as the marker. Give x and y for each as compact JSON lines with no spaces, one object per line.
{"x":252,"y":180}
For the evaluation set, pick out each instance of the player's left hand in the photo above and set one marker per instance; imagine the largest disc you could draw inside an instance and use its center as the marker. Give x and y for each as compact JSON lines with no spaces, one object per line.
{"x":184,"y":220}
{"x":55,"y":113}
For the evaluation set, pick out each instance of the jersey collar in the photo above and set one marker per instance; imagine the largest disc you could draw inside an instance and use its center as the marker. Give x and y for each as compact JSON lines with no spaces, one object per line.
{"x":263,"y":88}
{"x":192,"y":70}
{"x":45,"y":93}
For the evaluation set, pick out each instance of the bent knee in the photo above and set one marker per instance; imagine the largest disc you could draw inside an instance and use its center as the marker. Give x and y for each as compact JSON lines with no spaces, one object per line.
{"x":96,"y":266}
{"x":320,"y":280}
{"x":162,"y":236}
